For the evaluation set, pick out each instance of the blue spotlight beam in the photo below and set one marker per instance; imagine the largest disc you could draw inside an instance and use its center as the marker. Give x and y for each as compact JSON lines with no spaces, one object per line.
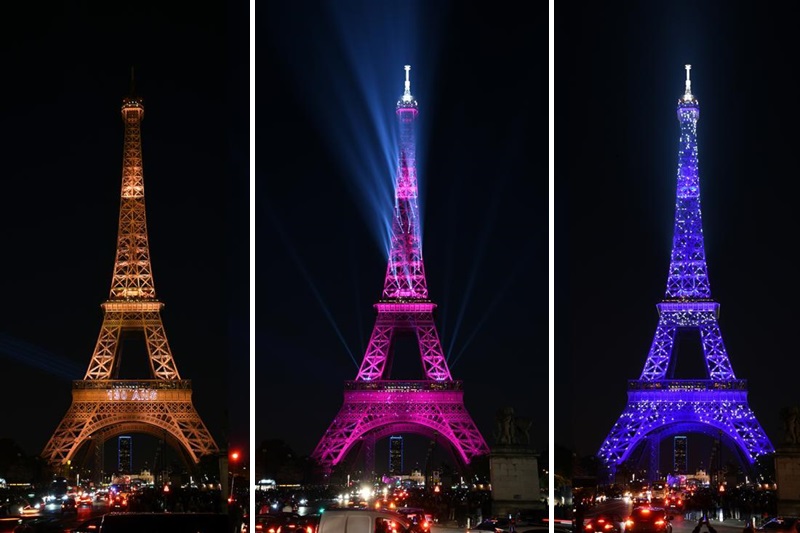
{"x":36,"y":357}
{"x":498,"y":297}
{"x":311,"y":285}
{"x":365,"y":41}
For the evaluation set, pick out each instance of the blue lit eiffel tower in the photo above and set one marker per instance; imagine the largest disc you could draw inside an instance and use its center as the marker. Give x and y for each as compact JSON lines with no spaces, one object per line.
{"x":659,"y":406}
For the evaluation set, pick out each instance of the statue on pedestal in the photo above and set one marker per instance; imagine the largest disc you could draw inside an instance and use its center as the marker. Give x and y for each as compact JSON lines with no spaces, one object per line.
{"x":504,"y":426}
{"x":510,"y":429}
{"x":791,"y":424}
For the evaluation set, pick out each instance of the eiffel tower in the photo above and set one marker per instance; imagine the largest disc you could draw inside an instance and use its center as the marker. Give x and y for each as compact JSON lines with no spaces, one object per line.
{"x":376,"y":406}
{"x":103,"y":405}
{"x":659,"y":406}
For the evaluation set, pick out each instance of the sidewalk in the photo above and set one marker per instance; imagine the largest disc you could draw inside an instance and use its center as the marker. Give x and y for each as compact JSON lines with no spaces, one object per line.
{"x":733,"y":522}
{"x":446,"y":526}
{"x":449,"y":526}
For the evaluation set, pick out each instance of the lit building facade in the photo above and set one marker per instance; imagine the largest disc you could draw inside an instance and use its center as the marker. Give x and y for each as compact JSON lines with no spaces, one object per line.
{"x":396,"y":455}
{"x":124,"y":454}
{"x":679,"y":457}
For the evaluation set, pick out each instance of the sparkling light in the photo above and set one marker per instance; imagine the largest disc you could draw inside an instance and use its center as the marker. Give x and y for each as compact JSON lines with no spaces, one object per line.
{"x":661,"y":407}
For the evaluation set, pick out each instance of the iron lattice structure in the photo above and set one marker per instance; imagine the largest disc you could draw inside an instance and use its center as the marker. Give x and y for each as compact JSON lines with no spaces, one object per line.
{"x":104,"y":406}
{"x":659,"y":406}
{"x":376,"y":406}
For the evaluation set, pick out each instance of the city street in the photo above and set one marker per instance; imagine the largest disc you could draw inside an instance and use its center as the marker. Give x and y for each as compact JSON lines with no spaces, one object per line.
{"x":679,"y":524}
{"x":619,"y":507}
{"x":55,"y":521}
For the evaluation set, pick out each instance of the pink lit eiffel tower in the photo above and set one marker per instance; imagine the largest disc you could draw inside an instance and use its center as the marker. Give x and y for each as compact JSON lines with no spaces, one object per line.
{"x":376,"y":406}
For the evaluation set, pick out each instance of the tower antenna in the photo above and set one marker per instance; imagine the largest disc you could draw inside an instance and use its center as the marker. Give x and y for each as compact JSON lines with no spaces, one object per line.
{"x":687,"y":97}
{"x":407,"y":98}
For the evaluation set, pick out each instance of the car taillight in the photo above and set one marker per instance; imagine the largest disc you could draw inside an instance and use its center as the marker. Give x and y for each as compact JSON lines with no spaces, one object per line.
{"x":608,"y":526}
{"x":628,"y":523}
{"x":259,"y":527}
{"x":659,"y":522}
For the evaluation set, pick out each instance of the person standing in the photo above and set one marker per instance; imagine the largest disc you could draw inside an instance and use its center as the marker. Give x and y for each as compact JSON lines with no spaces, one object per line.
{"x":704,"y":520}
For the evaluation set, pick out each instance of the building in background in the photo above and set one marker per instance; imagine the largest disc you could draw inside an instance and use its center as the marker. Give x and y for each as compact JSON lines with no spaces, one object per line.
{"x":124,"y":455}
{"x":680,"y":465}
{"x":395,"y":455}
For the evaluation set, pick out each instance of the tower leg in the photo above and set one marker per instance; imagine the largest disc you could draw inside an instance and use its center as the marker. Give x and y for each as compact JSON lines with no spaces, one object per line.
{"x":369,"y":456}
{"x":99,"y":460}
{"x":655,"y":455}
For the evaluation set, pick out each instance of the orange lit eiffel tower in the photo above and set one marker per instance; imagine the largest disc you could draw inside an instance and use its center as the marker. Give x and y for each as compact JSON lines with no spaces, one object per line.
{"x":104,"y":406}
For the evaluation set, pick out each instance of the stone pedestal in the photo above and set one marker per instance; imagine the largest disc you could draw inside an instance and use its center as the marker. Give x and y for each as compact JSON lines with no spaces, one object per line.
{"x":514,"y":475}
{"x":787,"y":477}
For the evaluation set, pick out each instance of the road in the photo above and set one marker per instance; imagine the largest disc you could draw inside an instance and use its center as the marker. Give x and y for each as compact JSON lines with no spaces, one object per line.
{"x":679,"y":525}
{"x":7,"y":524}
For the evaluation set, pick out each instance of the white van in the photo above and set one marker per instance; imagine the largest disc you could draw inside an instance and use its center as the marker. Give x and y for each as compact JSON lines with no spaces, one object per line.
{"x":363,"y":521}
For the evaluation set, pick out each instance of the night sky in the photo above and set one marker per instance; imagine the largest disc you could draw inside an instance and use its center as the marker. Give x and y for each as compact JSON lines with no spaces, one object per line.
{"x":66,"y":69}
{"x":328,"y":77}
{"x":619,"y":74}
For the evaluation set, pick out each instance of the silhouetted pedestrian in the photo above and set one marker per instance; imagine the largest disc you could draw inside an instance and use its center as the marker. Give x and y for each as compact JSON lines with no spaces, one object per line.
{"x":704,"y":520}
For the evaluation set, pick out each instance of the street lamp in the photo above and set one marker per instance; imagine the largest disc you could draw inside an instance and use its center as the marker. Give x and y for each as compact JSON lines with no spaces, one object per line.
{"x":234,"y":458}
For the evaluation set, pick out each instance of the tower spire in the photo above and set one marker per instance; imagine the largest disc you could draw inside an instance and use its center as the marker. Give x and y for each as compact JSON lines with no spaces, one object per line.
{"x":688,"y":272}
{"x":687,"y":95}
{"x":132,"y":92}
{"x":405,"y":273}
{"x":407,"y":100}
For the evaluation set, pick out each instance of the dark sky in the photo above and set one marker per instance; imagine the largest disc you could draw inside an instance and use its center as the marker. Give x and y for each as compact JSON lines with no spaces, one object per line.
{"x":66,"y":69}
{"x":619,"y":73}
{"x":328,"y":77}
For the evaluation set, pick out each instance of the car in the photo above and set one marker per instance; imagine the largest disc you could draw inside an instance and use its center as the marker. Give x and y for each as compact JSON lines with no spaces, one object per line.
{"x":69,"y":505}
{"x":604,"y":523}
{"x":649,"y":520}
{"x":675,"y":501}
{"x":300,"y":524}
{"x":118,"y":501}
{"x":49,"y":524}
{"x":419,"y":518}
{"x":496,"y":525}
{"x":271,"y":522}
{"x":85,"y":500}
{"x":658,"y":501}
{"x":155,"y":523}
{"x":347,"y":520}
{"x":16,"y":506}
